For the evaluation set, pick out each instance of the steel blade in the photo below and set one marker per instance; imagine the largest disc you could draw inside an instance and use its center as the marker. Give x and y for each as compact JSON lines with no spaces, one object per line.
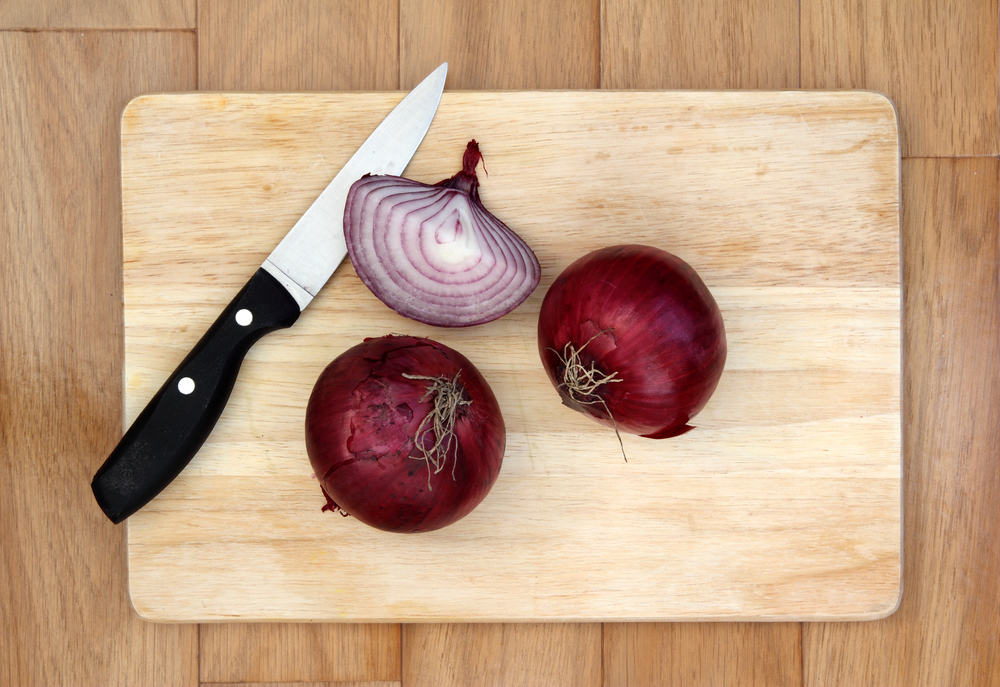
{"x":308,"y":255}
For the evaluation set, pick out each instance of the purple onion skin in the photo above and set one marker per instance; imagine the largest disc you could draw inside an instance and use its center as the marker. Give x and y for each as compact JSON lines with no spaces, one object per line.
{"x":361,"y":420}
{"x":663,"y":336}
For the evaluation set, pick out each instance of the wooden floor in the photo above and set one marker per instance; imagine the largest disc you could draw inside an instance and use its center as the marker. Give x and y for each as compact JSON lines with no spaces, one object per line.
{"x":68,"y":68}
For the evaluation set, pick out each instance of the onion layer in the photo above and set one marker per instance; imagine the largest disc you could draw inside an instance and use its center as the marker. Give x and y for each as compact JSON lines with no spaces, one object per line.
{"x":433,"y":253}
{"x":404,"y":434}
{"x":631,"y":336}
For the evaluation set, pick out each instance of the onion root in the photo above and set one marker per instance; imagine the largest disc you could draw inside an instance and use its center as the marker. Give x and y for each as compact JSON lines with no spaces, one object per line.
{"x":436,"y":432}
{"x":581,"y":383}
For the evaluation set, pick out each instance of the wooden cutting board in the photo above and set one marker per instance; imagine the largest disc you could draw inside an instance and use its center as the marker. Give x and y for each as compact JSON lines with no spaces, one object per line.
{"x":784,"y":503}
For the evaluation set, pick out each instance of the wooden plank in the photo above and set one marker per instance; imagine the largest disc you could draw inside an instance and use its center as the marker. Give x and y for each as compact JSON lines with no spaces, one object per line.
{"x":708,"y":44}
{"x":288,"y":45}
{"x":516,"y":44}
{"x":302,"y":684}
{"x":297,"y":45}
{"x":649,"y":44}
{"x":694,"y":654}
{"x":283,"y":652}
{"x":791,"y":506}
{"x":491,"y":45}
{"x":63,"y":596}
{"x":939,"y":60}
{"x":946,"y":629}
{"x":551,"y":654}
{"x":109,"y":14}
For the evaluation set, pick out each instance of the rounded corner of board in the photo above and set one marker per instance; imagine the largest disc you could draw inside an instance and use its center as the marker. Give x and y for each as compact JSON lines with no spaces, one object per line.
{"x":882,"y":612}
{"x":142,"y":611}
{"x":884,"y":99}
{"x":893,"y":602}
{"x":136,"y":105}
{"x":882,"y":609}
{"x":885,"y":103}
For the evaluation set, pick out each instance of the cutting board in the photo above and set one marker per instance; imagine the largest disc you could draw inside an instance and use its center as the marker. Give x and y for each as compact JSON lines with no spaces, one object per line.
{"x":783,"y":504}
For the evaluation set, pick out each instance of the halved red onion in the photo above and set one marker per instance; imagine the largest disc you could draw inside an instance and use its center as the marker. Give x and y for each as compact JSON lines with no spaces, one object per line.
{"x":433,"y":253}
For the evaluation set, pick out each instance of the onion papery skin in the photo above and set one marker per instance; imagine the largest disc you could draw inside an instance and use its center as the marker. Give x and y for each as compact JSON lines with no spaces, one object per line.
{"x":361,"y":421}
{"x":433,"y":253}
{"x":643,"y":316}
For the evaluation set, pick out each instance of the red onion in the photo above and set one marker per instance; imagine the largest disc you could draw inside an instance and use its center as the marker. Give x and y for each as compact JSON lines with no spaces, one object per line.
{"x":404,"y":434}
{"x":631,"y":336}
{"x":433,"y":253}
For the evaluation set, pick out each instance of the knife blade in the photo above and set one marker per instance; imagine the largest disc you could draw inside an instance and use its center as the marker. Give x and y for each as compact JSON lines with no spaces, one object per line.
{"x":179,"y":418}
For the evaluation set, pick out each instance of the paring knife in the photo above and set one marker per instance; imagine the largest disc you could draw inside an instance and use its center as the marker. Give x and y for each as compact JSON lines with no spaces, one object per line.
{"x":180,"y":417}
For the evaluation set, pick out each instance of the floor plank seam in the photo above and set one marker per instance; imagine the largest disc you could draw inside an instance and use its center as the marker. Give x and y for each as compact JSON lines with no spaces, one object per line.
{"x":97,"y":29}
{"x":978,"y":156}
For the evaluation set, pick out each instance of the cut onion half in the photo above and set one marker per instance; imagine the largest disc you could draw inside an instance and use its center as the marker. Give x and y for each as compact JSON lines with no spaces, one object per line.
{"x":434,"y":254}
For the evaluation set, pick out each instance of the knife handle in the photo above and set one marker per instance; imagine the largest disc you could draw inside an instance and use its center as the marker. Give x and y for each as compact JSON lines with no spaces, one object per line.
{"x":179,"y":418}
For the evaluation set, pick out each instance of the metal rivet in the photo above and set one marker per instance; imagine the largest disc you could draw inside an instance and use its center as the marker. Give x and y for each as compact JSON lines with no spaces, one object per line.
{"x":185,"y":385}
{"x":244,"y":317}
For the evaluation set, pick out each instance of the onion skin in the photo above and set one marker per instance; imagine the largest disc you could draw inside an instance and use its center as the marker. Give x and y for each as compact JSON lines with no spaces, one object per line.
{"x":361,"y":421}
{"x":643,"y":316}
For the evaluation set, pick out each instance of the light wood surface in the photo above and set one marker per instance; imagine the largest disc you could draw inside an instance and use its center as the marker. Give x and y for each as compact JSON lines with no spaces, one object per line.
{"x":785,"y":503}
{"x":61,"y":392}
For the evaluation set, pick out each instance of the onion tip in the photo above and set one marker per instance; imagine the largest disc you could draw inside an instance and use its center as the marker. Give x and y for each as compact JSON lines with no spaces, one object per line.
{"x":669,"y":432}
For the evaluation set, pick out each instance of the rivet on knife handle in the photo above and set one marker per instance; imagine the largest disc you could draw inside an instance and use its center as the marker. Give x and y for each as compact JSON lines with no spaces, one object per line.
{"x":178,"y":420}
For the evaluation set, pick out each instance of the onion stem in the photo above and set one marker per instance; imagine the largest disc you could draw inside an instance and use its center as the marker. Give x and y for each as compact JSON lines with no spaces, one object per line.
{"x":438,"y":426}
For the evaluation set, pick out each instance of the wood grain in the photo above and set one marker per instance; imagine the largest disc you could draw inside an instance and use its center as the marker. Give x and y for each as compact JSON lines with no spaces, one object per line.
{"x":63,"y":597}
{"x":945,"y":632}
{"x":516,"y":44}
{"x":789,"y":504}
{"x":485,"y":45}
{"x":937,"y":59}
{"x":108,"y":14}
{"x":309,"y":45}
{"x":297,"y":45}
{"x":646,"y":44}
{"x":247,"y":653}
{"x":710,"y":44}
{"x":551,"y":654}
{"x":367,"y":683}
{"x":694,"y":654}
{"x":379,"y":683}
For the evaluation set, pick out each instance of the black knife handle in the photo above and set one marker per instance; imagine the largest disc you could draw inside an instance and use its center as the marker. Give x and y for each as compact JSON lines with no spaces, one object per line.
{"x":179,"y":418}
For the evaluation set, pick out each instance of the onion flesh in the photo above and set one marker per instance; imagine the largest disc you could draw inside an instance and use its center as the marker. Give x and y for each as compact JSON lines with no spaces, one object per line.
{"x":433,"y":253}
{"x":631,"y":336}
{"x":404,"y":434}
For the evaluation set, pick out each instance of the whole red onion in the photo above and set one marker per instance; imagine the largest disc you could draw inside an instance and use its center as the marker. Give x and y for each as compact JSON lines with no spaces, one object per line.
{"x":631,"y":336}
{"x":404,"y":434}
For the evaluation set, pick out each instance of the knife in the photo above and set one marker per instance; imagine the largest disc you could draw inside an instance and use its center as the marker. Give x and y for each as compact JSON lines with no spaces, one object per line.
{"x":179,"y":418}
